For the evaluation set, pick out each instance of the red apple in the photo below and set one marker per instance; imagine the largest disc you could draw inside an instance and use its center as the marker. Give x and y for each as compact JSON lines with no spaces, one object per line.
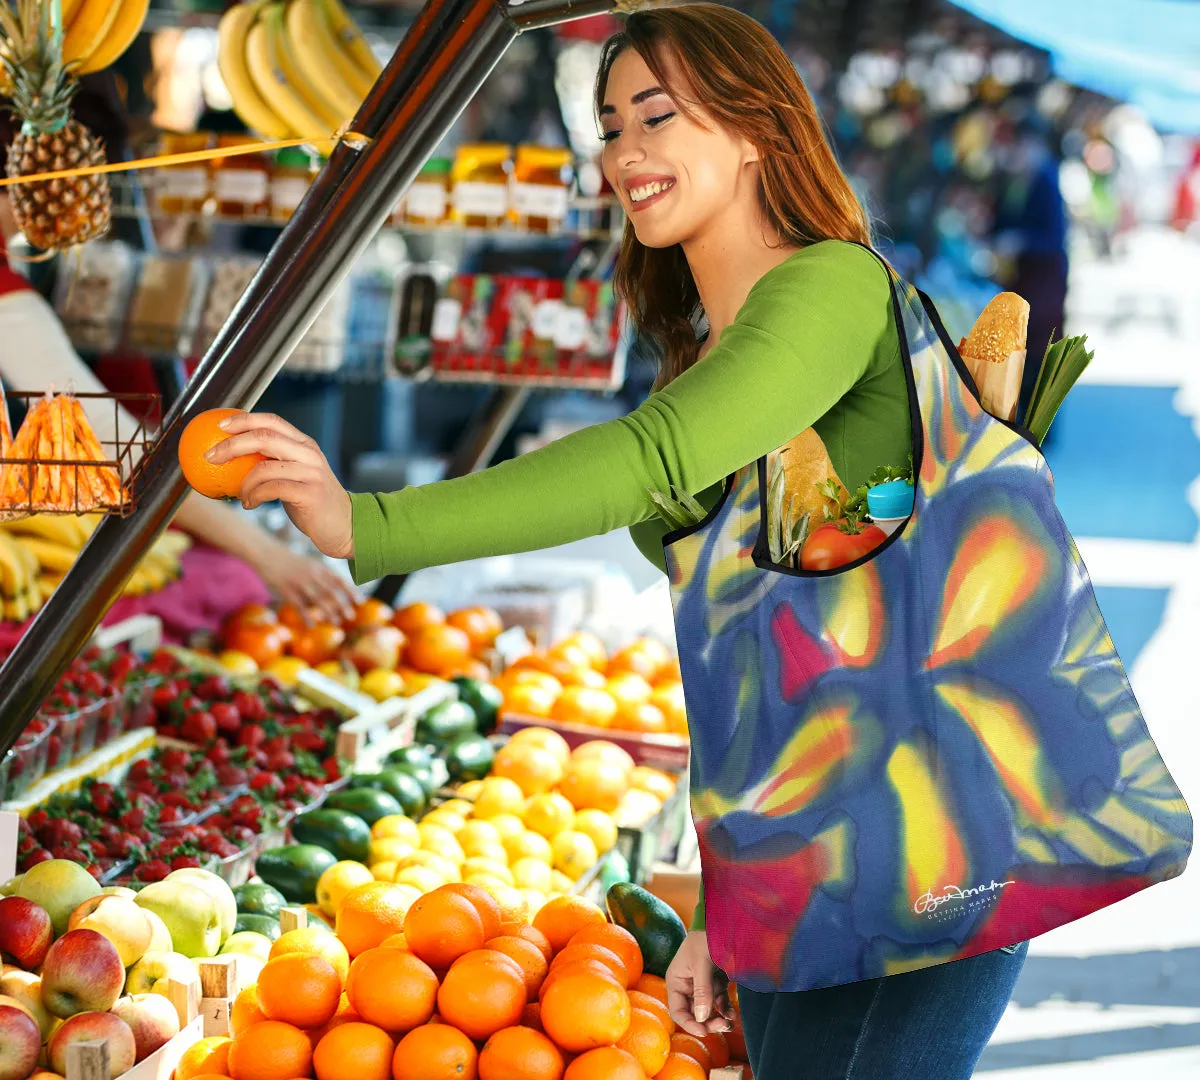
{"x":82,"y":972}
{"x":20,"y":1043}
{"x":152,"y":1019}
{"x":86,"y":1026}
{"x":25,"y":931}
{"x":378,"y":647}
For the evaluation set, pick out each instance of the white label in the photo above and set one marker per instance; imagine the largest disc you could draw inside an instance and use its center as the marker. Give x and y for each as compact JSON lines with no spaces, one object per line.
{"x":447,"y":313}
{"x":185,"y":183}
{"x":476,"y":199}
{"x":545,"y":319}
{"x":241,"y":186}
{"x":426,"y":201}
{"x":572,"y":328}
{"x":287,"y":191}
{"x":540,"y":200}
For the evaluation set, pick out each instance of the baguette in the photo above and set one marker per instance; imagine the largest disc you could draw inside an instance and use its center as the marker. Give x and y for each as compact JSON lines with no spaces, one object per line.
{"x":806,"y":465}
{"x":994,"y":352}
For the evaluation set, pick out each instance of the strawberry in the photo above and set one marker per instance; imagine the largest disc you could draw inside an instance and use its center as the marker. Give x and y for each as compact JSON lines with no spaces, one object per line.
{"x":132,"y":819}
{"x":228,"y":719}
{"x":251,"y":736}
{"x":199,"y":728}
{"x":183,"y":862}
{"x":214,"y":688}
{"x":266,"y":782}
{"x":249,"y":706}
{"x":219,"y":752}
{"x":333,"y":769}
{"x":154,"y":870}
{"x":280,"y":761}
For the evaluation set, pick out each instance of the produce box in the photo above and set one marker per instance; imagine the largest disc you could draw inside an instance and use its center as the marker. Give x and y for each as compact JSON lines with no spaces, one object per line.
{"x":667,"y":752}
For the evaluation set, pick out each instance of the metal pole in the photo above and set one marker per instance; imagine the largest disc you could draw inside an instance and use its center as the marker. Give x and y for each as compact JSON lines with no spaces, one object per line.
{"x":442,"y":62}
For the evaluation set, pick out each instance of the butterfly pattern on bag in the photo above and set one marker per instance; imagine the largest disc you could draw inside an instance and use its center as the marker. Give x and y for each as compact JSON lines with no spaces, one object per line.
{"x":949,"y":715}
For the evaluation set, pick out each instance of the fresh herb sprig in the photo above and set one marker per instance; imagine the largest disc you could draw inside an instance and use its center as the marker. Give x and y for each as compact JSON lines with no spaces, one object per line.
{"x":1065,"y":360}
{"x":681,"y":511}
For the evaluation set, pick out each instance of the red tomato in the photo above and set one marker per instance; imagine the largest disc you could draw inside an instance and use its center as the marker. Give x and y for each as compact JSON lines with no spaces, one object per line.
{"x":828,"y":547}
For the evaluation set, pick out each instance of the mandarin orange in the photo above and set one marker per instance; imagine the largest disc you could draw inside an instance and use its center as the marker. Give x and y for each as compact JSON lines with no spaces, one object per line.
{"x":201,"y":435}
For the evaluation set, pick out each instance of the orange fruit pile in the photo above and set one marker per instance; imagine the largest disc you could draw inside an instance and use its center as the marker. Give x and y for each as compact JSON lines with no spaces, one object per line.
{"x":461,"y":993}
{"x":638,"y":689}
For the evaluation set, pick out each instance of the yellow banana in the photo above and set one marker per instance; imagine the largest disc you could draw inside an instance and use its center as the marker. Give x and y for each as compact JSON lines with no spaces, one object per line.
{"x":248,"y":103}
{"x":48,"y":583}
{"x":30,"y":562}
{"x":350,"y":38}
{"x":59,"y":528}
{"x":131,"y":14}
{"x":50,"y":556}
{"x":266,"y":71}
{"x":87,"y":29}
{"x":300,"y":81}
{"x":352,"y":75}
{"x":17,"y":609}
{"x":314,"y":48}
{"x":69,"y":7}
{"x":12,"y":567}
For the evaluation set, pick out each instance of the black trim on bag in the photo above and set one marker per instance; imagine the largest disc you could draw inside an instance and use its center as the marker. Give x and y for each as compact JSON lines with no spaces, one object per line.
{"x":762,"y":551}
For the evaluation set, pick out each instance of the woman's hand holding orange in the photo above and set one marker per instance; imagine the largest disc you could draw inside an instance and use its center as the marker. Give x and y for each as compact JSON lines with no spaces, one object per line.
{"x":296,"y":473}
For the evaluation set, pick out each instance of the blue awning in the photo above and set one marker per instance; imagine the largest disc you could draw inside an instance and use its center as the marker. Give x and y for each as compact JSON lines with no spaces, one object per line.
{"x":1145,"y":52}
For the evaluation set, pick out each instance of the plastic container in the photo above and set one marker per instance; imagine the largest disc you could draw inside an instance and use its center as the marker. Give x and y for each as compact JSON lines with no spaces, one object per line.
{"x":166,"y":304}
{"x":25,"y":764}
{"x":228,"y":279}
{"x":480,"y":185}
{"x":290,"y":180}
{"x":184,"y":189}
{"x":890,"y":504}
{"x":427,"y":201}
{"x":241,"y":184}
{"x":541,"y":188}
{"x":92,"y":294}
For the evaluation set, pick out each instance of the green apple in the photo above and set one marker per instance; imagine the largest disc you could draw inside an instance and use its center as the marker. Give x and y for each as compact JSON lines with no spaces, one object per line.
{"x":160,"y":936}
{"x":120,"y":890}
{"x":150,"y":974}
{"x":9,"y":888}
{"x":189,"y":912}
{"x":217,"y":888}
{"x":249,"y":943}
{"x":60,"y":887}
{"x":118,"y":919}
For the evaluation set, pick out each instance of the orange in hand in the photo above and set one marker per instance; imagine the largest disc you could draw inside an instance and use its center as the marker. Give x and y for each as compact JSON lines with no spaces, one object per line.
{"x":214,"y":481}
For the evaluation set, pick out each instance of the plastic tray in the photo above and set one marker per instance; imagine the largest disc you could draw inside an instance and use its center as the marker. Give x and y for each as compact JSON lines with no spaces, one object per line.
{"x":25,"y":764}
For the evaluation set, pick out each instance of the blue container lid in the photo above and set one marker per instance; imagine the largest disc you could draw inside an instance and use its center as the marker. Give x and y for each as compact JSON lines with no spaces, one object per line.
{"x":891,"y":500}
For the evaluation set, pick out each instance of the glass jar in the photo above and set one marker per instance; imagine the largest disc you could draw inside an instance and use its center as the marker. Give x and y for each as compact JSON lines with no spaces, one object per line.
{"x":184,"y":189}
{"x":427,"y":201}
{"x":480,"y":185}
{"x":290,"y":180}
{"x":242,"y":183}
{"x":541,"y":188}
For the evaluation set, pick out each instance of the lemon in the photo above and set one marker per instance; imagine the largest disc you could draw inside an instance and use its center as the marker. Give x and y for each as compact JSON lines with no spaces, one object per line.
{"x":341,"y":878}
{"x":485,"y":881}
{"x":441,"y":841}
{"x":513,"y":906}
{"x":574,"y":853}
{"x":599,"y":826}
{"x":636,"y":808}
{"x":439,"y":864}
{"x":341,"y":671}
{"x":421,"y":878}
{"x":418,"y":681}
{"x":385,"y":871}
{"x":559,"y":882}
{"x":528,"y":845}
{"x":461,"y":807}
{"x":495,"y":852}
{"x":381,"y":684}
{"x":407,"y":894}
{"x":479,"y":834}
{"x":499,"y":795}
{"x":470,"y":790}
{"x":531,"y":874}
{"x":487,"y":866}
{"x":507,"y":825}
{"x":399,"y":826}
{"x":388,"y":849}
{"x":451,"y":822}
{"x":237,"y":663}
{"x":534,"y":900}
{"x":286,"y":669}
{"x":549,"y":814}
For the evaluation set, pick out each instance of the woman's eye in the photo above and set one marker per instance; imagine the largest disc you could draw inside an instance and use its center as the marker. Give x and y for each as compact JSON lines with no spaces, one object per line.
{"x":654,"y":121}
{"x":608,"y":136}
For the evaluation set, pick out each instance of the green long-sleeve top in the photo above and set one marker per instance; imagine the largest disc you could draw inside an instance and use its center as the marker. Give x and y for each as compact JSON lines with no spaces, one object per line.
{"x":814,"y":345}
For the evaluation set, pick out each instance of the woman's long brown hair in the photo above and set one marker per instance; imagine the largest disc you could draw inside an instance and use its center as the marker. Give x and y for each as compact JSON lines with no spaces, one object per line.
{"x":740,"y":75}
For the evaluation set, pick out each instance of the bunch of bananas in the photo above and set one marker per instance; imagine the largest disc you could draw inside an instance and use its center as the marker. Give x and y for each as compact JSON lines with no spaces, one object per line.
{"x":35,"y":553}
{"x":298,"y":69}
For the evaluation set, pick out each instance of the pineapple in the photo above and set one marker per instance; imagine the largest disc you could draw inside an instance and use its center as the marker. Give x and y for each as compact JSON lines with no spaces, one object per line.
{"x":52,"y":214}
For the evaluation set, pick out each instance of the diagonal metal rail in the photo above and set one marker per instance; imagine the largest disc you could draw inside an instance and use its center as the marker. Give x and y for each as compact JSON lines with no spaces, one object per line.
{"x":437,"y":68}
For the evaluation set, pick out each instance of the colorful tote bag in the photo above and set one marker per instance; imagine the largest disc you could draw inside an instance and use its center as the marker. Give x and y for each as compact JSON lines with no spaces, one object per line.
{"x":926,"y":754}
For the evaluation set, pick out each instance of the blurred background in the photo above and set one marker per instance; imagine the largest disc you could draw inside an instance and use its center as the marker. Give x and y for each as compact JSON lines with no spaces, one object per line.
{"x":1046,"y":146}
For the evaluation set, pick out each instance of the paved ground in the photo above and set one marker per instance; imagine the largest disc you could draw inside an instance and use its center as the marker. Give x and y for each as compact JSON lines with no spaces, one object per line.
{"x":1118,"y":994}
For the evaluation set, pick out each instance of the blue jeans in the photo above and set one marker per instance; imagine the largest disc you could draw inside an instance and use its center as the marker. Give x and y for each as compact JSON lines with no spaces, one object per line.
{"x":930,"y":1024}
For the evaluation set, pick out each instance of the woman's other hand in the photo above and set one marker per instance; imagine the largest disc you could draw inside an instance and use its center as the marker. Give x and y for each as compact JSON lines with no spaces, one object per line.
{"x":697,"y":993}
{"x":297,"y":474}
{"x":307,"y":583}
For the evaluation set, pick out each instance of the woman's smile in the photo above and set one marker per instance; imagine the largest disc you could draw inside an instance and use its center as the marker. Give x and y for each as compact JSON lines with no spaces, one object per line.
{"x":645,"y":190}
